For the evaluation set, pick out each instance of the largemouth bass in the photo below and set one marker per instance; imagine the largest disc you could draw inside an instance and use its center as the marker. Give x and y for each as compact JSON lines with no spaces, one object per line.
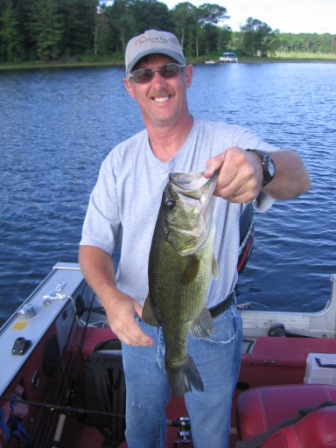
{"x":181,"y":264}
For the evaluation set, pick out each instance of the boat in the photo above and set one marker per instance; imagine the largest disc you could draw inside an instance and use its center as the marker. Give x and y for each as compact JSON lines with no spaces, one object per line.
{"x":62,"y":384}
{"x":229,"y":57}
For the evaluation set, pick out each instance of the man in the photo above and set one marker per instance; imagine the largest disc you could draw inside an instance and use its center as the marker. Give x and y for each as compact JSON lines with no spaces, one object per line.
{"x":123,"y":210}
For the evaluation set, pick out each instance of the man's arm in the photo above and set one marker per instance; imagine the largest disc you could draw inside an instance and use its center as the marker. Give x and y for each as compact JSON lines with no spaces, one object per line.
{"x":98,"y":270}
{"x":240,"y":178}
{"x":291,"y":179}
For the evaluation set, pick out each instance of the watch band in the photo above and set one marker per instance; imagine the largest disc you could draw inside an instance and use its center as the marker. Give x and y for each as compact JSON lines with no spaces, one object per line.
{"x":268,"y":166}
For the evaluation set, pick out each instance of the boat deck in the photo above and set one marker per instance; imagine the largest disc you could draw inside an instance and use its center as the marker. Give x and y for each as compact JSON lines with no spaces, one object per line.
{"x":266,"y":361}
{"x":51,"y":371}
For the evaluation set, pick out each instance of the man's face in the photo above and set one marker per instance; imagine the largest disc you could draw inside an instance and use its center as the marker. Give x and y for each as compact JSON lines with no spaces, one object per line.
{"x":162,"y":102}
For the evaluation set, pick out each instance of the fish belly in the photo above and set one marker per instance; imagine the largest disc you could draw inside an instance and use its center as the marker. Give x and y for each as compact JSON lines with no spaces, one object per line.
{"x":178,"y":288}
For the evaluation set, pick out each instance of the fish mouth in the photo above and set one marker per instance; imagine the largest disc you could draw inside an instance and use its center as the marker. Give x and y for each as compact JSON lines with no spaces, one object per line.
{"x":193,"y":185}
{"x":195,"y":194}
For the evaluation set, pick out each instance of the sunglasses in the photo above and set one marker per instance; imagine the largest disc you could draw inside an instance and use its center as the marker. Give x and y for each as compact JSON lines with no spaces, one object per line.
{"x":167,"y":71}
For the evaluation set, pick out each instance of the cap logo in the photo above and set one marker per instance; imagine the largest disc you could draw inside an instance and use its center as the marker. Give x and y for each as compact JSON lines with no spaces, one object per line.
{"x":139,"y":40}
{"x":153,"y":40}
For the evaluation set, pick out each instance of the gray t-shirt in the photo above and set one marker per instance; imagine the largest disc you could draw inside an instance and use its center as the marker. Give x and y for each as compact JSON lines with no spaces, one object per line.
{"x":125,"y":201}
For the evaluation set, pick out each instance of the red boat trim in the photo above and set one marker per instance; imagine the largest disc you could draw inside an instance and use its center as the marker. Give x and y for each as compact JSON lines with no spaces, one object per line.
{"x":245,"y":254}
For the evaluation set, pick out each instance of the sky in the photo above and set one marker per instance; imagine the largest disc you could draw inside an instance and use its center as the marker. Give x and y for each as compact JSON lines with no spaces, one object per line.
{"x":288,"y":16}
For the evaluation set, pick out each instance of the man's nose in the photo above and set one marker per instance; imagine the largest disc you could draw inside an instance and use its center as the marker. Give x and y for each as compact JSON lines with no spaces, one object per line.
{"x":158,"y":78}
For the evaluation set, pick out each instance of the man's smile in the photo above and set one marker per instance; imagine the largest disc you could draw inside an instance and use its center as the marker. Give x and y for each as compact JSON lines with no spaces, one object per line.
{"x":161,"y":99}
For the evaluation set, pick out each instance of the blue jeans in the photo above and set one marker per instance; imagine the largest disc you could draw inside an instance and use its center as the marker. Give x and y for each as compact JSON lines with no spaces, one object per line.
{"x":148,"y":392}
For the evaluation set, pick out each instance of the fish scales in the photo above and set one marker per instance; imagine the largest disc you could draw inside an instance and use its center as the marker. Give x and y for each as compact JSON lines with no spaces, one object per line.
{"x":181,"y":265}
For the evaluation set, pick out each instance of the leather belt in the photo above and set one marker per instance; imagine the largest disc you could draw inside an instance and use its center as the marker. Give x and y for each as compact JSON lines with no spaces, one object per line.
{"x":219,"y":309}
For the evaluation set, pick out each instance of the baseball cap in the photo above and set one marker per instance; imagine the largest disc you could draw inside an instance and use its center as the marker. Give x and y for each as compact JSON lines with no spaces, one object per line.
{"x":152,"y":42}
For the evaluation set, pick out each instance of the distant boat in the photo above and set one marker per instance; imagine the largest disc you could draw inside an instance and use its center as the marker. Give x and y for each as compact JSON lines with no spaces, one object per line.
{"x":210,"y":61}
{"x":229,"y":56}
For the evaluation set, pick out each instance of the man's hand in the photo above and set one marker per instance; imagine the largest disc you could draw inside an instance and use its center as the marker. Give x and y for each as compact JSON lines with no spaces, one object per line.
{"x":121,"y":311}
{"x":240,"y":175}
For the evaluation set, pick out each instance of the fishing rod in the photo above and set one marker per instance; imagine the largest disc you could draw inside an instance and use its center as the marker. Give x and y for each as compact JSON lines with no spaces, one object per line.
{"x":182,"y":422}
{"x":79,"y":310}
{"x":63,"y":388}
{"x":59,"y":407}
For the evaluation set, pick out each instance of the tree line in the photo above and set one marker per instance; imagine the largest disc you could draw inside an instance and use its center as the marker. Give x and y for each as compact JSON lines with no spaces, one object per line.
{"x":49,"y":30}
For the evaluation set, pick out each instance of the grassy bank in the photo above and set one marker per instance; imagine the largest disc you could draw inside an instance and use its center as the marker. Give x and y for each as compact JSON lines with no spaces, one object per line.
{"x":306,"y":56}
{"x":279,"y":57}
{"x":119,"y":61}
{"x":289,"y":58}
{"x":42,"y":65}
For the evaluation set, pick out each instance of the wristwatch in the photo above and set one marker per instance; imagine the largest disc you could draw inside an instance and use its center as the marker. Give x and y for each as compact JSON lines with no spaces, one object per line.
{"x":267,"y":164}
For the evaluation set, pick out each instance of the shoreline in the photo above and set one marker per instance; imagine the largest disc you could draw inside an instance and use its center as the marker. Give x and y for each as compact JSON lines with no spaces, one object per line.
{"x":120,"y":63}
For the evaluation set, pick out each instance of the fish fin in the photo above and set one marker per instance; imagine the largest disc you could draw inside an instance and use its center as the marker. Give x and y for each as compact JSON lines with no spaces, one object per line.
{"x":183,"y":376}
{"x":190,"y":272}
{"x":148,"y":314}
{"x":214,"y":268}
{"x":203,"y":325}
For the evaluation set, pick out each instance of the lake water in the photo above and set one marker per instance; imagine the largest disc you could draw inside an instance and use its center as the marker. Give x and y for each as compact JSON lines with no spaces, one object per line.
{"x":56,"y":127}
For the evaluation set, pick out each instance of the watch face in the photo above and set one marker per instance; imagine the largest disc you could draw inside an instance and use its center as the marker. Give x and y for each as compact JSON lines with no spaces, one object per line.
{"x":271,"y":168}
{"x":267,"y":164}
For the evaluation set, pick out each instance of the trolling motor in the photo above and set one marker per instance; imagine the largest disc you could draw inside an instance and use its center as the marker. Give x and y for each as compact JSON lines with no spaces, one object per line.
{"x":184,"y":434}
{"x":278,"y":330}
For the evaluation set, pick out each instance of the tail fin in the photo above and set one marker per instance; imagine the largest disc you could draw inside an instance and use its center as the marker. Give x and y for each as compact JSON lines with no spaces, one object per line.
{"x":182,"y":376}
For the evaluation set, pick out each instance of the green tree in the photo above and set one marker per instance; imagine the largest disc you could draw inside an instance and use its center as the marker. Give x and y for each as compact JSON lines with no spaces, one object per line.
{"x":183,"y":15}
{"x":102,"y":36}
{"x":10,"y":36}
{"x":48,"y":29}
{"x":258,"y":38}
{"x":211,"y":14}
{"x":207,"y":16}
{"x":150,"y":14}
{"x":79,"y":26}
{"x":224,"y":38}
{"x":122,"y":21}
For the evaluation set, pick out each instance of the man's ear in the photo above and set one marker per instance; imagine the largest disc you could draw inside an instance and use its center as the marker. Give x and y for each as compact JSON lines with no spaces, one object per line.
{"x":129,"y":87}
{"x":189,"y":75}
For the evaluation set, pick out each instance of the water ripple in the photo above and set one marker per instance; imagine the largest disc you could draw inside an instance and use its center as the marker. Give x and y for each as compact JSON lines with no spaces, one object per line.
{"x":57,"y":126}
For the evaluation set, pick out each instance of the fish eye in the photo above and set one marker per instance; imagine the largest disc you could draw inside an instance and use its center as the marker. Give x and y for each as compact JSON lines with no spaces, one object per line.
{"x":170,"y":204}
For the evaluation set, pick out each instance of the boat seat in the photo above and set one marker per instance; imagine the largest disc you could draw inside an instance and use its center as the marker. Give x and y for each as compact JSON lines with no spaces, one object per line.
{"x":316,"y":430}
{"x":262,"y":409}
